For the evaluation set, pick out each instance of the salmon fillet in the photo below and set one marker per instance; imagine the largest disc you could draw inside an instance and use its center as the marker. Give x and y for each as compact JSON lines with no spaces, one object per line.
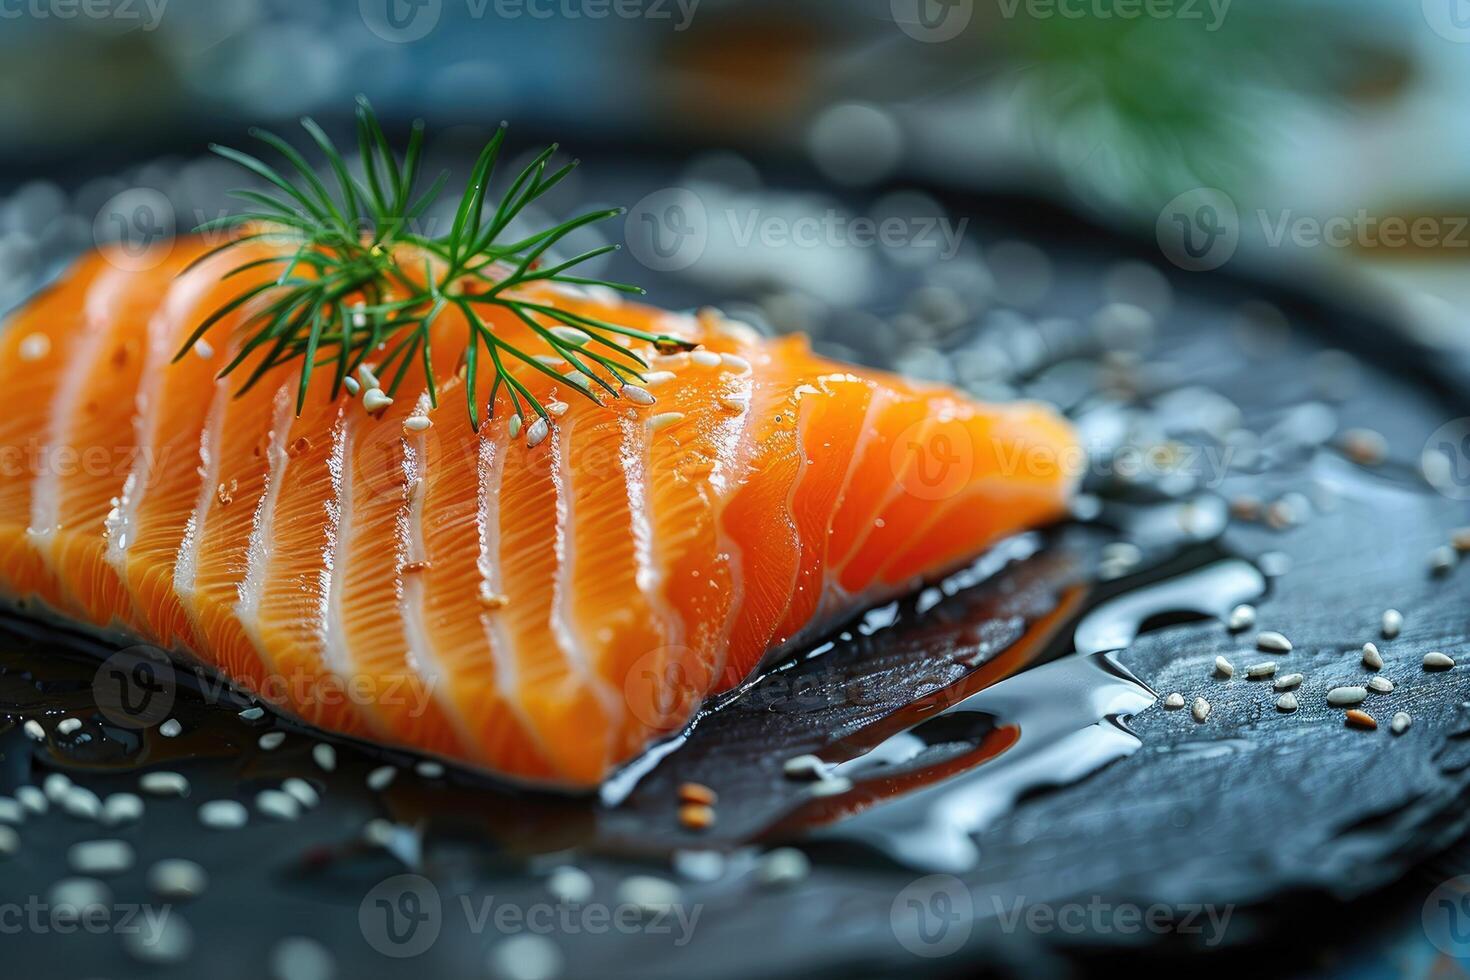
{"x":541,"y":613}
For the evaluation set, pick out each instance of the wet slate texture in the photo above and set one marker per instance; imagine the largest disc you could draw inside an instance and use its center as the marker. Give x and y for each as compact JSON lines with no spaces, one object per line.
{"x":1305,"y":829}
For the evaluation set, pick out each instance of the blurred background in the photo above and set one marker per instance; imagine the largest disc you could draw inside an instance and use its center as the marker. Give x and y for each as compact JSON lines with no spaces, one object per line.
{"x":1279,"y":135}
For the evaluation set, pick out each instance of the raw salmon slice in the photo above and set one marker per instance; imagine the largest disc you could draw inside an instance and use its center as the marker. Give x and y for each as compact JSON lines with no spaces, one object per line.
{"x":542,"y":609}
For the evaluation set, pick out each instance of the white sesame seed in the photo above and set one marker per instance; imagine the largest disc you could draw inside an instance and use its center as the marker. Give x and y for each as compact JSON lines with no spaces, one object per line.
{"x":374,"y":400}
{"x":418,"y":423}
{"x":100,"y":857}
{"x":9,"y":841}
{"x":378,"y":832}
{"x":34,"y":347}
{"x":570,"y":885}
{"x":223,"y":815}
{"x":1340,"y":697}
{"x":304,"y":792}
{"x":1242,"y":617}
{"x":648,"y":893}
{"x":636,"y":395}
{"x":1287,"y":702}
{"x":253,"y":714}
{"x":537,"y":432}
{"x":1224,"y":667}
{"x":1174,"y":701}
{"x":831,"y":786}
{"x":1372,"y":659}
{"x":572,"y":336}
{"x":1393,"y":621}
{"x":366,"y":376}
{"x":33,"y":730}
{"x":277,"y":804}
{"x":804,"y":767}
{"x":177,"y":878}
{"x":1460,"y":539}
{"x":11,"y":811}
{"x":1273,"y":642}
{"x":56,"y":786}
{"x":429,"y":769}
{"x":1380,"y":684}
{"x":735,"y":362}
{"x":782,"y":867}
{"x":380,"y":778}
{"x":203,"y":348}
{"x":557,"y":409}
{"x":32,"y":799}
{"x":1200,"y":709}
{"x":704,"y":358}
{"x":68,"y":725}
{"x":654,"y":378}
{"x":171,"y":942}
{"x":302,"y":958}
{"x":171,"y":728}
{"x":352,"y":386}
{"x":525,"y":956}
{"x":1265,"y":669}
{"x":663,"y":420}
{"x":1400,"y":722}
{"x":325,"y":756}
{"x":1438,"y":661}
{"x":1442,"y":559}
{"x":164,"y":783}
{"x":72,"y":897}
{"x":1287,"y":681}
{"x":122,"y":808}
{"x":271,"y":741}
{"x":82,"y":803}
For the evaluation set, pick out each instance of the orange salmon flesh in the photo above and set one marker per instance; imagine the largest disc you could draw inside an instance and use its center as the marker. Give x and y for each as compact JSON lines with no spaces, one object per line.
{"x":542,"y":614}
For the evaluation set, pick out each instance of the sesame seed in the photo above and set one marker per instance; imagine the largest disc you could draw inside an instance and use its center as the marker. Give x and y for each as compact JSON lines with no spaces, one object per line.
{"x":271,"y":741}
{"x":571,"y":336}
{"x":705,"y":358}
{"x":1400,"y":722}
{"x":831,"y":786}
{"x":1200,"y":709}
{"x":570,"y":885}
{"x":697,"y":816}
{"x":418,"y":423}
{"x":1438,"y":661}
{"x":663,"y":420}
{"x":429,"y":769}
{"x":515,"y":426}
{"x":1380,"y":684}
{"x":1224,"y":667}
{"x":1287,"y":681}
{"x":32,"y":799}
{"x":56,"y":785}
{"x":68,"y":725}
{"x":1340,"y":697}
{"x":203,"y":348}
{"x":636,"y":395}
{"x":100,"y":857}
{"x":525,"y":956}
{"x":171,"y":728}
{"x":352,"y":386}
{"x":1443,"y":559}
{"x":648,"y":893}
{"x":366,"y":377}
{"x":1242,"y":617}
{"x":1460,"y":539}
{"x":379,"y":832}
{"x":34,"y":347}
{"x":163,"y":783}
{"x":1393,"y":621}
{"x":33,"y":730}
{"x":1174,"y":701}
{"x":325,"y":756}
{"x":9,"y":841}
{"x":1273,"y":642}
{"x":1361,"y":719}
{"x":223,"y":815}
{"x":122,"y":808}
{"x":783,"y":866}
{"x":374,"y":400}
{"x":735,"y":362}
{"x":557,"y":409}
{"x":1265,"y":669}
{"x":1372,"y":659}
{"x":11,"y":811}
{"x":72,"y":897}
{"x":697,"y":793}
{"x":82,"y":803}
{"x":277,"y":804}
{"x":302,"y":958}
{"x":804,"y":767}
{"x":177,"y":878}
{"x":537,"y":432}
{"x":1365,"y":446}
{"x":254,"y":713}
{"x":655,"y":378}
{"x":304,"y":792}
{"x":381,"y":777}
{"x":1287,"y":702}
{"x":171,"y":942}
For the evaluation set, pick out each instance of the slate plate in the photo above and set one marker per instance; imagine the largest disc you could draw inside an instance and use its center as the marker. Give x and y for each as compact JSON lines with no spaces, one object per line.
{"x":1248,"y":828}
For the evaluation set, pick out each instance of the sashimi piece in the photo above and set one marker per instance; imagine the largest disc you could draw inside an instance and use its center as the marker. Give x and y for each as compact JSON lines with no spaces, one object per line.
{"x":540,"y":599}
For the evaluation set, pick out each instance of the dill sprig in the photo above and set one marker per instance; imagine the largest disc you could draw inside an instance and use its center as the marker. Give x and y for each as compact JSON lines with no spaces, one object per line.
{"x":341,"y":295}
